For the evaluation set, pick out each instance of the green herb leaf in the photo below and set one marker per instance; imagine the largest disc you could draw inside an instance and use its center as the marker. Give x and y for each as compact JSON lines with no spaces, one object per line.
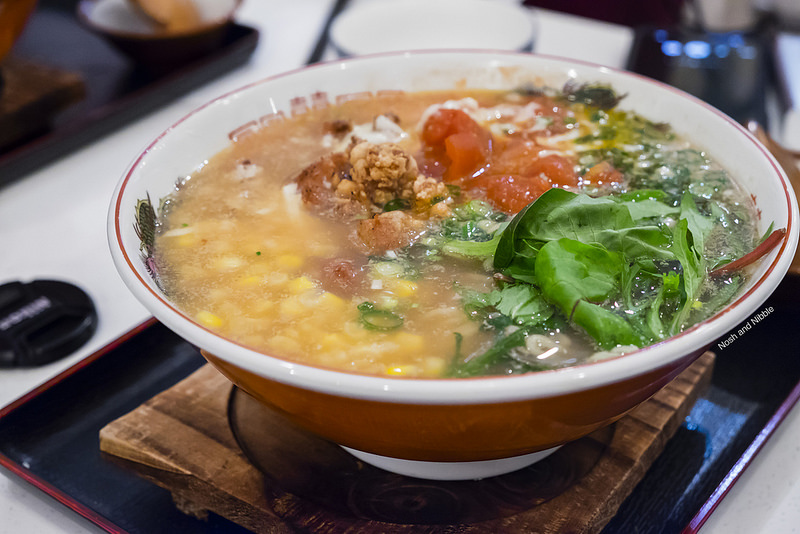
{"x":397,"y":204}
{"x":559,"y":213}
{"x":523,"y":303}
{"x":607,"y":328}
{"x":569,"y":271}
{"x":474,"y":249}
{"x":596,"y":95}
{"x":477,"y":365}
{"x":693,"y":273}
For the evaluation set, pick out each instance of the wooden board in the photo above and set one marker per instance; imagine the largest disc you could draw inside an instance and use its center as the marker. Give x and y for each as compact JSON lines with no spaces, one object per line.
{"x":31,"y":95}
{"x":182,"y":440}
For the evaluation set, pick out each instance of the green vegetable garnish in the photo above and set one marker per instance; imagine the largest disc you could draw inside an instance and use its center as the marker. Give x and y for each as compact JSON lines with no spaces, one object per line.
{"x":373,"y":318}
{"x":588,"y":256}
{"x":397,"y":204}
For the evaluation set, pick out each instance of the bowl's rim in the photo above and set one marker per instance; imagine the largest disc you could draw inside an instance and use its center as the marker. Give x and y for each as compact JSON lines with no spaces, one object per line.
{"x":477,"y":390}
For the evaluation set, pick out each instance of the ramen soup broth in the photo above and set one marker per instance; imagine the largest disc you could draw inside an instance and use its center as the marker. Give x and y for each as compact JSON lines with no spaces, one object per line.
{"x":276,"y":244}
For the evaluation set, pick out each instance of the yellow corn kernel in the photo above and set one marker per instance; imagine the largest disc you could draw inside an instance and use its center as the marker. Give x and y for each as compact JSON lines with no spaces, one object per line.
{"x":403,"y":288}
{"x":434,"y":366}
{"x":260,"y":307}
{"x":217,"y":294}
{"x":355,"y":330}
{"x":334,"y":358}
{"x":284,"y":345}
{"x":187,"y":240}
{"x":408,"y":341}
{"x":260,"y":268}
{"x":333,"y":341}
{"x":206,"y":318}
{"x":402,"y":370}
{"x":292,"y":307}
{"x":275,"y":280}
{"x":332,"y":301}
{"x":290,"y":261}
{"x":228,"y":263}
{"x":300,"y":285}
{"x":249,"y":280}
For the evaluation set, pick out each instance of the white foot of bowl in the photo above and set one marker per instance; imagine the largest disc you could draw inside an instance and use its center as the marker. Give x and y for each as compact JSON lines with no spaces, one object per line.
{"x":451,"y":470}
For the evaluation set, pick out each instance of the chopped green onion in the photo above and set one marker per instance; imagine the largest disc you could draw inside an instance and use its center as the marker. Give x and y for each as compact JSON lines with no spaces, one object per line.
{"x":374,"y":319}
{"x":389,"y":269}
{"x":397,"y":204}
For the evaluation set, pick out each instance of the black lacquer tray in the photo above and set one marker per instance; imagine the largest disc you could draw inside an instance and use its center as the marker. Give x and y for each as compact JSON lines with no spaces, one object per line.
{"x":50,"y":436}
{"x":117,"y":90}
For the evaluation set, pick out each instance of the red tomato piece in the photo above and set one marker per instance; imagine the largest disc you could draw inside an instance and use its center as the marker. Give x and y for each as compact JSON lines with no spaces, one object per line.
{"x":515,"y":156}
{"x":511,"y":193}
{"x":466,"y":154}
{"x":455,"y":142}
{"x":446,"y":122}
{"x":603,"y":174}
{"x":522,"y":157}
{"x":558,"y":169}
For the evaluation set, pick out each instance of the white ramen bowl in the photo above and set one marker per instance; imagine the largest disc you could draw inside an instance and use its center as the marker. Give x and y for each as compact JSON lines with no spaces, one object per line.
{"x":448,"y":428}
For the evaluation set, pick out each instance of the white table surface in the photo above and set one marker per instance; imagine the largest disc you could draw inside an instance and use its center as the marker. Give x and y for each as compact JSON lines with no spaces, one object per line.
{"x":52,"y":225}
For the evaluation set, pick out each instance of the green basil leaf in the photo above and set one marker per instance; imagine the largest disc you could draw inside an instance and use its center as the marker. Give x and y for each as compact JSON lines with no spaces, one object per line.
{"x":568,"y":271}
{"x":607,"y":328}
{"x":523,"y":303}
{"x":693,"y":273}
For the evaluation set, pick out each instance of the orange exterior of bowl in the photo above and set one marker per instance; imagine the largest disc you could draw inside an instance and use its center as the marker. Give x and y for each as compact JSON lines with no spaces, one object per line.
{"x":463,"y":432}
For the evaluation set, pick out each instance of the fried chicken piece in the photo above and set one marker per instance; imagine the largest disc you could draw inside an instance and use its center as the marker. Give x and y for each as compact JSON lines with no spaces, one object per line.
{"x":380,"y":173}
{"x":343,"y":276}
{"x":427,"y":189}
{"x":316,"y":183}
{"x":390,"y":230}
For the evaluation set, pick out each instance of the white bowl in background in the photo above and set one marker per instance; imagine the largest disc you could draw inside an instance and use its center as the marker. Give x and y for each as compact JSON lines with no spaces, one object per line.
{"x":398,"y":25}
{"x":150,"y":46}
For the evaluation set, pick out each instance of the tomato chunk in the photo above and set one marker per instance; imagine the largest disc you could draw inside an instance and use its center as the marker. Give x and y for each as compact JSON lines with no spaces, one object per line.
{"x":511,"y":193}
{"x":466,"y":154}
{"x":454,"y":141}
{"x":558,"y":169}
{"x":511,"y":175}
{"x":603,"y":174}
{"x":518,"y":175}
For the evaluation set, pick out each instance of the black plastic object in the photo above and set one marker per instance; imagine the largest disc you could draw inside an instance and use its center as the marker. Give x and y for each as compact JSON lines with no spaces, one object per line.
{"x":730,"y":71}
{"x":43,"y":321}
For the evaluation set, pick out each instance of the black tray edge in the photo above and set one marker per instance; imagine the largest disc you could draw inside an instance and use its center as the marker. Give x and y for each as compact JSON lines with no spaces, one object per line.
{"x":744,"y":461}
{"x":40,"y":483}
